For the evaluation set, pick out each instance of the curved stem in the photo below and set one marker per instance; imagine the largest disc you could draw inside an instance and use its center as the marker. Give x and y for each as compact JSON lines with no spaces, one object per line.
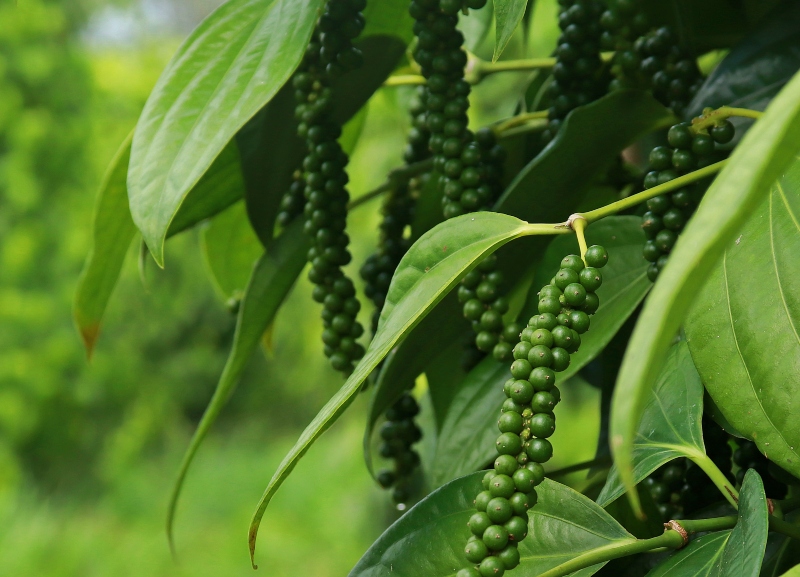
{"x":578,"y":224}
{"x":631,"y":201}
{"x":669,"y":539}
{"x":405,"y":80}
{"x":533,"y":126}
{"x":482,"y":68}
{"x":518,"y":120}
{"x":716,"y":476}
{"x":787,"y":529}
{"x":711,"y":118}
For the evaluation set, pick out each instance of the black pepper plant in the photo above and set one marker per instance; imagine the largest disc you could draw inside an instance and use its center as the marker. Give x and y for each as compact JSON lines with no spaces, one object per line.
{"x":620,"y":212}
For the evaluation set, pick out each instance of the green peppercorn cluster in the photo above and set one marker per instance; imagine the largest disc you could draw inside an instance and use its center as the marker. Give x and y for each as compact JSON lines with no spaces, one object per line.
{"x":294,"y":201}
{"x":397,"y":212}
{"x":527,"y":419}
{"x":747,"y":456}
{"x":579,"y":76}
{"x":666,"y":215}
{"x":681,"y":488}
{"x":648,"y":59}
{"x":329,"y":54}
{"x":398,"y":434}
{"x":484,"y":306}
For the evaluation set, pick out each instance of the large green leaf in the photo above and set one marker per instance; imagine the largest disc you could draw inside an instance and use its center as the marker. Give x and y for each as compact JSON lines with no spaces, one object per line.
{"x":744,"y":326}
{"x":700,"y":559}
{"x":273,"y":276}
{"x":793,"y":572}
{"x":468,"y":429}
{"x":230,"y":248}
{"x":763,"y":154}
{"x":756,"y":69}
{"x":271,"y":149}
{"x":233,"y":63}
{"x":410,"y":358}
{"x":428,"y":271}
{"x":590,"y":139}
{"x":508,"y":15}
{"x":428,"y":541}
{"x":671,"y":425}
{"x":543,"y":31}
{"x":744,"y":550}
{"x":113,"y":231}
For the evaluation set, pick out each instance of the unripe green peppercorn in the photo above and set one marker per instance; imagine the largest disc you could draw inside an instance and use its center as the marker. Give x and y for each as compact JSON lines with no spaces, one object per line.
{"x":479,"y":522}
{"x":498,"y":511}
{"x":510,"y":422}
{"x":540,"y":356}
{"x":516,"y":528}
{"x":542,"y":378}
{"x":591,"y":279}
{"x":496,"y":537}
{"x":509,"y":556}
{"x":492,"y":567}
{"x":508,"y":444}
{"x":476,"y":551}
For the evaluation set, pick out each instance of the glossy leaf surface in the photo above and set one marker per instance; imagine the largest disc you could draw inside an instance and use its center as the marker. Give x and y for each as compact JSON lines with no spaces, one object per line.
{"x":230,"y":248}
{"x":508,"y":15}
{"x":756,"y":68}
{"x":744,"y":550}
{"x":743,"y":330}
{"x":428,"y":271}
{"x":671,"y":424}
{"x":228,"y":69}
{"x":428,"y":541}
{"x":763,"y":154}
{"x":589,"y":140}
{"x":701,"y":558}
{"x":469,"y":427}
{"x":113,"y":231}
{"x":272,"y":278}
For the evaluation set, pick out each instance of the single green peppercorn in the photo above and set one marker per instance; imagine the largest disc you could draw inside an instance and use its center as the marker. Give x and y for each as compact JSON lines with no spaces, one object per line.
{"x":510,"y":422}
{"x":596,"y":256}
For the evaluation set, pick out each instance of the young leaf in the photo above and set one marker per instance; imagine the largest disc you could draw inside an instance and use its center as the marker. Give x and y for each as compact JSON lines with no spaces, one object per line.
{"x":508,"y":15}
{"x":590,"y":139}
{"x":764,"y":152}
{"x":744,"y":550}
{"x":756,"y":69}
{"x":230,"y":67}
{"x":701,"y":558}
{"x":230,"y":248}
{"x":751,"y":373}
{"x":433,"y":265}
{"x":469,"y":426}
{"x":113,"y":231}
{"x":429,"y":540}
{"x":273,"y":276}
{"x":671,"y":424}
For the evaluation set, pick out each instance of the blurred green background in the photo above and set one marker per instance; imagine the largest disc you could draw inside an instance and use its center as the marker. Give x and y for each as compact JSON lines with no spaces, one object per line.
{"x":88,"y":450}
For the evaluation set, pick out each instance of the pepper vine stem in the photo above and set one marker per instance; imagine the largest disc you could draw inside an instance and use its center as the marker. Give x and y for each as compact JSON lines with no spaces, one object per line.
{"x":635,"y":199}
{"x":670,"y":539}
{"x":713,"y":117}
{"x":578,"y":224}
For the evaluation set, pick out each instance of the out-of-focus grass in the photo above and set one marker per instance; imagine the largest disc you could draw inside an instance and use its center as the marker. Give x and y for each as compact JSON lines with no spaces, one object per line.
{"x":319,"y":523}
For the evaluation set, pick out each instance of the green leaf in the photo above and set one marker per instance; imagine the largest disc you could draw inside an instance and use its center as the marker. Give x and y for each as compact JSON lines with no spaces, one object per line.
{"x":271,"y":149}
{"x":220,"y":187}
{"x":113,"y":231}
{"x":428,"y":541}
{"x":233,"y":63}
{"x":701,"y":558}
{"x":273,"y":276}
{"x":764,"y":152}
{"x":793,"y":572}
{"x":751,"y":373}
{"x":469,"y":427}
{"x":592,"y":138}
{"x":670,"y":426}
{"x":443,"y":324}
{"x":428,"y":271}
{"x":230,"y":248}
{"x":389,"y":17}
{"x":508,"y":15}
{"x":543,"y":31}
{"x":756,"y":69}
{"x":475,"y":26}
{"x":744,"y":550}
